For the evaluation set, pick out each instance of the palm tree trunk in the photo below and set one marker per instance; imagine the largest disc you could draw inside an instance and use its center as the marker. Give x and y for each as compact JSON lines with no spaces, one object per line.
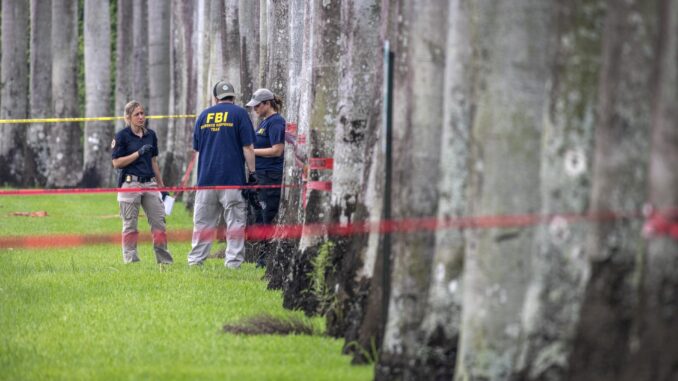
{"x":140,"y":52}
{"x":278,"y":55}
{"x":38,"y":148}
{"x":357,"y":123}
{"x":655,"y":356}
{"x":321,"y":123}
{"x":182,"y":92}
{"x":554,"y":296}
{"x":97,"y":169}
{"x":512,"y":44}
{"x":14,"y":90}
{"x":417,"y":120}
{"x":123,"y":59}
{"x":231,"y":46}
{"x":66,"y":155}
{"x":298,"y":88}
{"x":615,"y":250}
{"x":159,"y":70}
{"x":248,"y":18}
{"x":442,"y":315}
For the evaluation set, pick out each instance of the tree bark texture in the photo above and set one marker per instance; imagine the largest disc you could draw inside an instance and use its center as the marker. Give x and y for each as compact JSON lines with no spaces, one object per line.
{"x":552,"y":307}
{"x":298,"y":88}
{"x":262,"y":76}
{"x":364,"y":335}
{"x":159,"y":69}
{"x":139,"y":52}
{"x":615,"y":249}
{"x":205,"y":45}
{"x":217,"y":53}
{"x":606,"y":335}
{"x":123,"y":59}
{"x":248,"y":17}
{"x":655,"y":354}
{"x":417,"y":120}
{"x":37,"y":136}
{"x":278,"y":56}
{"x":13,"y":90}
{"x":442,"y":314}
{"x":182,"y":92}
{"x":320,"y":135}
{"x":231,"y":46}
{"x":66,"y":155}
{"x":358,"y":122}
{"x":512,"y":44}
{"x":97,"y":170}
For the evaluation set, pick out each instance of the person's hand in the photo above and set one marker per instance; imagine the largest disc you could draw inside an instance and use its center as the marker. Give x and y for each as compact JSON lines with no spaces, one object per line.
{"x":145,"y":149}
{"x":252,"y":179}
{"x":163,"y":195}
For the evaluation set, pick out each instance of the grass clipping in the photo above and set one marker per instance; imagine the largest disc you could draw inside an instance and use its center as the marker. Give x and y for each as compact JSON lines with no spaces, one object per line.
{"x":271,"y":325}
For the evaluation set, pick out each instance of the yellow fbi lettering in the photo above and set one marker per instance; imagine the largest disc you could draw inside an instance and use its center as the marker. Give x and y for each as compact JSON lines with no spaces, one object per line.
{"x":216,"y":120}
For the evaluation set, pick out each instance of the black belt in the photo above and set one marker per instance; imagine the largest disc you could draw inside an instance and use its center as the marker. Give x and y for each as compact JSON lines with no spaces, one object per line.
{"x":140,"y":179}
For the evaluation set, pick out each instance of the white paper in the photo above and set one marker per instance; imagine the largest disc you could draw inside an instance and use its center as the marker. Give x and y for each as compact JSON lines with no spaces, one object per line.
{"x":169,"y":204}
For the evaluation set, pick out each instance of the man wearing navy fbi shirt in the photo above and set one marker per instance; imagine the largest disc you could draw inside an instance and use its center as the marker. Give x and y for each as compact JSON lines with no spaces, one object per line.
{"x":223,"y":137}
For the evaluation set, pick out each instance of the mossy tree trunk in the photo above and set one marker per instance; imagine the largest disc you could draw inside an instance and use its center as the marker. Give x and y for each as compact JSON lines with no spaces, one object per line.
{"x":231,"y":46}
{"x":123,"y":59}
{"x":13,"y":89}
{"x":301,"y":289}
{"x":97,"y":169}
{"x":248,"y":20}
{"x":139,"y":68}
{"x":159,"y":71}
{"x":512,"y":44}
{"x":182,"y":92}
{"x":358,"y":123}
{"x":65,"y":138}
{"x":552,"y":307}
{"x":442,"y":315}
{"x":278,"y":55}
{"x":605,"y":336}
{"x":655,"y":357}
{"x":37,"y":136}
{"x":298,"y":93}
{"x":417,"y":122}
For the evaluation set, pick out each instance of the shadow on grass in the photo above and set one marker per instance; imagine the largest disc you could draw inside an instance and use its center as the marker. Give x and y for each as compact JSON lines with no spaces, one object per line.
{"x":271,"y":325}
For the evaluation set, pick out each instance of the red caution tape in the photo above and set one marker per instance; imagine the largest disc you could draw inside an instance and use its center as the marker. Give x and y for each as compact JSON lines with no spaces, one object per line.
{"x":320,"y":185}
{"x":659,"y":224}
{"x":291,"y":128}
{"x":39,"y":192}
{"x":265,"y":232}
{"x":321,"y":163}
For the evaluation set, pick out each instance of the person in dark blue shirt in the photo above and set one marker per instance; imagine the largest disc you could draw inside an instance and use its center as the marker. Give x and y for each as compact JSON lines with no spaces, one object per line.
{"x":223,"y":138}
{"x":269,"y":148}
{"x":134,"y":153}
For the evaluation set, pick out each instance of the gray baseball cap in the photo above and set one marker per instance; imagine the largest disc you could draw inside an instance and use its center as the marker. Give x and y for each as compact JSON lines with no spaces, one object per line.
{"x":223,"y":89}
{"x":260,"y":96}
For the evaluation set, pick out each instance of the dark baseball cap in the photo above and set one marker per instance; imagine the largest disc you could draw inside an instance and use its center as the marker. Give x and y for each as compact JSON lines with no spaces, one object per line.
{"x":223,"y":89}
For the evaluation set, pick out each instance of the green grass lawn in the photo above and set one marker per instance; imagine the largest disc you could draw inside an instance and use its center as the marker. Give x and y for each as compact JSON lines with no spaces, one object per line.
{"x":81,"y":314}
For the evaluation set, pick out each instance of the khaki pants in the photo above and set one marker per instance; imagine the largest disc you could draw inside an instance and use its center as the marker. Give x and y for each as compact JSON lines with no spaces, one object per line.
{"x":155,"y":212}
{"x":208,"y":205}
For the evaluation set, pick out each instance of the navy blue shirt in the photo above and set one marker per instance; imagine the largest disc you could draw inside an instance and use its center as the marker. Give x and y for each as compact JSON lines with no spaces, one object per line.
{"x":219,"y":135}
{"x":126,"y":143}
{"x":271,"y":131}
